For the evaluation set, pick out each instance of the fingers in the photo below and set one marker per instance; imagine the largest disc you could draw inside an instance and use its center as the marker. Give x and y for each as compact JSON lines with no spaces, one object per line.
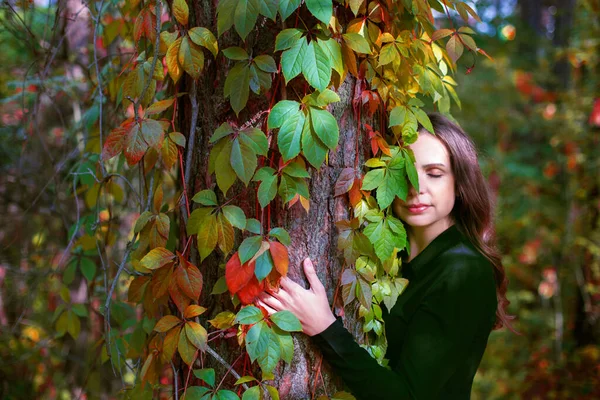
{"x":270,"y":310}
{"x":311,"y":275}
{"x":272,"y":303}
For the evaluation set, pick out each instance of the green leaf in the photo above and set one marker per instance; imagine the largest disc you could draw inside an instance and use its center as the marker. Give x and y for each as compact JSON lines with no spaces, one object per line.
{"x":286,"y":321}
{"x":388,"y":54}
{"x":296,"y":170}
{"x":235,"y":53}
{"x":327,"y":97}
{"x":423,"y":119}
{"x":312,"y":147}
{"x":268,"y":8}
{"x":316,"y":67}
{"x":205,"y":197}
{"x":263,"y":173}
{"x":292,"y":60}
{"x":286,"y":38}
{"x":223,"y":130}
{"x":286,"y":344}
{"x":281,"y":112}
{"x":196,"y":393}
{"x":325,"y":126}
{"x":411,"y":171}
{"x":205,"y":38}
{"x":253,"y":225}
{"x":357,"y":43}
{"x":287,"y":188}
{"x":236,"y":86}
{"x":248,"y":315}
{"x":196,"y":334}
{"x":245,"y":16}
{"x":223,"y":170}
{"x":226,"y":395}
{"x":243,"y":160}
{"x":249,"y":247}
{"x":373,"y":179}
{"x":256,"y":139}
{"x":272,"y":392}
{"x":207,"y":236}
{"x":394,"y":184}
{"x":191,"y":57}
{"x":334,"y":52}
{"x":252,"y":393}
{"x":196,"y":218}
{"x":265,"y":63}
{"x":206,"y":374}
{"x":290,"y":134}
{"x":271,"y":355}
{"x":267,"y":190}
{"x":282,"y":235}
{"x":287,"y":7}
{"x":257,"y":340}
{"x":321,"y":9}
{"x":142,"y":221}
{"x":235,"y":216}
{"x":264,"y":265}
{"x":88,"y":268}
{"x":220,"y":286}
{"x":245,"y":379}
{"x":177,"y":138}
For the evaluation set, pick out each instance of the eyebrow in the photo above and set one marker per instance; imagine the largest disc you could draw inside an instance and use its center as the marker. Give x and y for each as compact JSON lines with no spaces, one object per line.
{"x":436,"y":165}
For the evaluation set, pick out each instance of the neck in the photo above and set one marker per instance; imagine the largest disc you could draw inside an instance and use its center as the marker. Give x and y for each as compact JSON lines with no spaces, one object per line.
{"x":420,"y":236}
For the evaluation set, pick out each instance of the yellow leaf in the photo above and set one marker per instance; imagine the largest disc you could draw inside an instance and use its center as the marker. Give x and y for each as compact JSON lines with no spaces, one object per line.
{"x":169,"y":153}
{"x":181,"y":11}
{"x":196,"y":334}
{"x":191,"y":57}
{"x":166,"y":323}
{"x":170,"y":344}
{"x":175,"y":70}
{"x":223,"y":320}
{"x":186,"y":348}
{"x":193,"y":310}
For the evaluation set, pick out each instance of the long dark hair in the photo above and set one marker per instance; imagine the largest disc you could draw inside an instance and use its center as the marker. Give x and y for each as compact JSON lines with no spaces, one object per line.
{"x":473,"y":210}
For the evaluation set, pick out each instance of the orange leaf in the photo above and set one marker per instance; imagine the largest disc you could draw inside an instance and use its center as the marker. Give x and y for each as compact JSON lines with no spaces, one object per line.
{"x":160,"y":281}
{"x":355,"y":193}
{"x":349,"y":59}
{"x":237,"y":275}
{"x":193,"y":311}
{"x":137,"y":287}
{"x":175,"y":70}
{"x":189,"y":278}
{"x":196,"y":334}
{"x":114,"y":143}
{"x":170,"y":344}
{"x":249,"y":292}
{"x":166,"y":323}
{"x":280,"y":257}
{"x":157,"y":258}
{"x":177,"y":295}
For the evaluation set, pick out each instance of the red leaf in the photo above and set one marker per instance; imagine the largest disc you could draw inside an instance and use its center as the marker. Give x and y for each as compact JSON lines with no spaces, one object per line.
{"x":355,"y":193}
{"x":160,"y":281}
{"x":178,"y":297}
{"x":114,"y":143}
{"x":344,"y":181}
{"x":280,"y":257}
{"x":237,"y":275}
{"x":189,"y":278}
{"x":249,"y":292}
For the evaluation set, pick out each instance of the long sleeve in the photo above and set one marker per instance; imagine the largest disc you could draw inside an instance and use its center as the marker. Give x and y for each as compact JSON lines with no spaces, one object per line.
{"x":457,"y":311}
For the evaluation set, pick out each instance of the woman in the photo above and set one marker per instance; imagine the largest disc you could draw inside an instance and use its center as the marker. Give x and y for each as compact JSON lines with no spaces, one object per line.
{"x":438,"y":329}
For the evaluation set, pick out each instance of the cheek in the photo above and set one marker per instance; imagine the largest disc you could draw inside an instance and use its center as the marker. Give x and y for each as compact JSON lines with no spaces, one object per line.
{"x":397,"y":207}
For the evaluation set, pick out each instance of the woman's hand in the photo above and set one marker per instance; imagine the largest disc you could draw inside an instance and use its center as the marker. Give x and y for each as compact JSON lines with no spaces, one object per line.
{"x":310,"y":306}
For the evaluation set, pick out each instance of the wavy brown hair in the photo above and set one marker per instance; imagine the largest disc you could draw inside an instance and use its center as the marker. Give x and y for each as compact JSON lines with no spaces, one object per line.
{"x":473,"y":210}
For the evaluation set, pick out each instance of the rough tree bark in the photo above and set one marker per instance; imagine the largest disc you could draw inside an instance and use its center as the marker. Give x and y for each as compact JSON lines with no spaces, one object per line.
{"x":313,"y":233}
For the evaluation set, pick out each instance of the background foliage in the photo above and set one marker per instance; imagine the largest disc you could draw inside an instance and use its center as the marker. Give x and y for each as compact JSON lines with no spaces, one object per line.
{"x":82,"y":84}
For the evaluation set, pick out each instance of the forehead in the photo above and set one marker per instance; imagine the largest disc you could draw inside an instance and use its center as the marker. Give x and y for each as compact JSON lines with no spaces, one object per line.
{"x":430,"y":150}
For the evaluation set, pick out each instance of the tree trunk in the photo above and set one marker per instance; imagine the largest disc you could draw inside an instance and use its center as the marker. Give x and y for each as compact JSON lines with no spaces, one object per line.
{"x":313,"y":233}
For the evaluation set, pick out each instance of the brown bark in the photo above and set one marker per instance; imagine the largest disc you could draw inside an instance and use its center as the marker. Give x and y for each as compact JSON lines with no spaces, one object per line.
{"x":313,"y":234}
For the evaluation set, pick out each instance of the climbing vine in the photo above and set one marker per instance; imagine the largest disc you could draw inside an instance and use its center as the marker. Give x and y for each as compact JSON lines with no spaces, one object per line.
{"x":399,"y":64}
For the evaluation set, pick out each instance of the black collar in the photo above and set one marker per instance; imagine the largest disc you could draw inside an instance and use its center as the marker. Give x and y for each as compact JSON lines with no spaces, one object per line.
{"x":441,"y":243}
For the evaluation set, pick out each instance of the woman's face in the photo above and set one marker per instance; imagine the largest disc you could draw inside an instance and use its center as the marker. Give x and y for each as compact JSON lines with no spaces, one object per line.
{"x":431,"y":206}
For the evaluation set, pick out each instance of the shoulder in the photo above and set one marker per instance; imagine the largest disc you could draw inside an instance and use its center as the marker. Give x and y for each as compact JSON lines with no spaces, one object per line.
{"x":463,"y":267}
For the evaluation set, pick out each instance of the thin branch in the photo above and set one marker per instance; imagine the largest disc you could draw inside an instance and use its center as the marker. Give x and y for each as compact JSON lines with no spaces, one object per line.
{"x":99,"y":79}
{"x":220,"y":359}
{"x":192,"y":137}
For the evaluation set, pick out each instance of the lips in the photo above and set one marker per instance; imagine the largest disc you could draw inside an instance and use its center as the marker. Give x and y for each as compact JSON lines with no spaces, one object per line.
{"x":417,"y":208}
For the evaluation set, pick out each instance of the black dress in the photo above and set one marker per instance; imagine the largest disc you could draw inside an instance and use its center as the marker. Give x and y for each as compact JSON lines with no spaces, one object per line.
{"x":437,"y":331}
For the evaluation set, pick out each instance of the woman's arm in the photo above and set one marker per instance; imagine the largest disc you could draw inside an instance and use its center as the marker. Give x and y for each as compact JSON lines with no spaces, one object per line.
{"x":438,"y":338}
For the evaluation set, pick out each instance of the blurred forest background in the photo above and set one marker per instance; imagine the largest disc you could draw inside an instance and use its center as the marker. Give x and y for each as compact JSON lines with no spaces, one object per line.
{"x":534,"y":111}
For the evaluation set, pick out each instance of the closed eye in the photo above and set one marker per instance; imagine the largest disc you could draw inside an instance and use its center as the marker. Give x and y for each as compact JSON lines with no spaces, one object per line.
{"x":434,"y":175}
